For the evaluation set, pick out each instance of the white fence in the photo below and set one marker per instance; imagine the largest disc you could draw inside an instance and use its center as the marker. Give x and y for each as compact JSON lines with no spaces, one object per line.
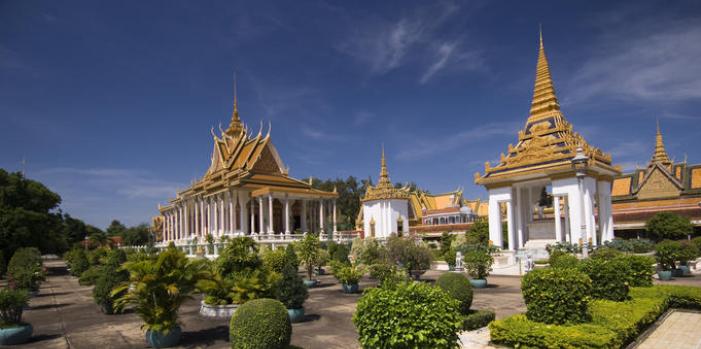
{"x":197,"y":246}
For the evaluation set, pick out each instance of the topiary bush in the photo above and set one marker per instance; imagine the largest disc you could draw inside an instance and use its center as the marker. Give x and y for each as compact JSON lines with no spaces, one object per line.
{"x":291,"y":290}
{"x":609,"y":278}
{"x":260,"y":324}
{"x":111,"y":275}
{"x":559,"y":259}
{"x":25,"y":269}
{"x":557,"y":295}
{"x":12,"y":303}
{"x":79,"y":262}
{"x":605,"y":253}
{"x":639,"y":269}
{"x":666,"y":225}
{"x":458,"y":287}
{"x":410,"y":315}
{"x":477,"y":319}
{"x":667,"y":254}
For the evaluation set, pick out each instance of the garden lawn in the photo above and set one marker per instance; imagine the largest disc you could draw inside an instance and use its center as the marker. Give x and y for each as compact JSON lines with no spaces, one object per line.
{"x":613,"y":325}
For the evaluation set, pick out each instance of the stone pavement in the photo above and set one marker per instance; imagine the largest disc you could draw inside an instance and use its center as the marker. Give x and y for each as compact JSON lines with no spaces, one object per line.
{"x":64,"y":316}
{"x":679,"y":329}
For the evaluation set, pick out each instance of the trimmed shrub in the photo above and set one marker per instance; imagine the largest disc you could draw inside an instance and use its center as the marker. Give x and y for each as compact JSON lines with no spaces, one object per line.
{"x":411,"y":315}
{"x":260,"y":324}
{"x":557,"y":295}
{"x":79,"y":262}
{"x":477,"y":319}
{"x":90,"y":276}
{"x":25,"y":269}
{"x":458,"y":287}
{"x":559,"y":259}
{"x":12,"y":303}
{"x":666,"y":225}
{"x":697,"y":241}
{"x":614,"y":324}
{"x":639,"y":269}
{"x":632,"y":245}
{"x":688,"y":252}
{"x":605,"y":253}
{"x":111,"y":275}
{"x":291,"y":290}
{"x":667,"y":254}
{"x":609,"y":278}
{"x":339,"y":252}
{"x":567,"y":247}
{"x":274,"y":259}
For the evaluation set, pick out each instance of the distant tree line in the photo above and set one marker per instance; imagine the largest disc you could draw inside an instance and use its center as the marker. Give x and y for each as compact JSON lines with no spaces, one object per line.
{"x":30,"y":217}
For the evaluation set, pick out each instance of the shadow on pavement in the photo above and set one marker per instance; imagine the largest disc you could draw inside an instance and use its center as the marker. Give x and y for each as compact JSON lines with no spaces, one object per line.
{"x":195,"y":339}
{"x":49,"y":306}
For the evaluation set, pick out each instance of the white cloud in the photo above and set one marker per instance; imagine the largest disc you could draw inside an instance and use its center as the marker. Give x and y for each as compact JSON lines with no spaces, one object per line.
{"x":449,"y":54}
{"x":428,"y":147}
{"x":648,"y":62}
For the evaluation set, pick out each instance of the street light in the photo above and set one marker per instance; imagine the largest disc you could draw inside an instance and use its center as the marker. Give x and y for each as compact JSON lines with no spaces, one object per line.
{"x":579,"y":164}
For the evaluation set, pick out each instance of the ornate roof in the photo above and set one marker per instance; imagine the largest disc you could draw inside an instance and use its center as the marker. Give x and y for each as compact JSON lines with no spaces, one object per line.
{"x":547,"y":141}
{"x":660,"y":155}
{"x":384,"y":190}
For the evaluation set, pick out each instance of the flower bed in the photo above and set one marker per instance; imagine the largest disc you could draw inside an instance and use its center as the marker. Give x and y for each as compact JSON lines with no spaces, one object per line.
{"x":613,"y":325}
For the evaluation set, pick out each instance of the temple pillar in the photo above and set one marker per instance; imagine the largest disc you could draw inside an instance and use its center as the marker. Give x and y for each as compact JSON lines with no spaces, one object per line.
{"x":303,"y":223}
{"x":242,"y":213}
{"x":287,"y":215}
{"x":222,"y":215}
{"x":232,"y":221}
{"x":186,"y":216}
{"x":271,"y":227}
{"x":510,"y":226}
{"x":321,"y":216}
{"x":558,"y":221}
{"x":334,"y":216}
{"x":253,"y":216}
{"x":261,"y":217}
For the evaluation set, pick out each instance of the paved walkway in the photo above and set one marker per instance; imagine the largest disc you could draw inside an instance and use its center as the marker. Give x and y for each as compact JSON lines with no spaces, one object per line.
{"x":679,"y":329}
{"x":64,"y":316}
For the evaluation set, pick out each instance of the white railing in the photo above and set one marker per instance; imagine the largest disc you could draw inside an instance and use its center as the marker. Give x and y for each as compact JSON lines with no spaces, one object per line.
{"x":198,"y":246}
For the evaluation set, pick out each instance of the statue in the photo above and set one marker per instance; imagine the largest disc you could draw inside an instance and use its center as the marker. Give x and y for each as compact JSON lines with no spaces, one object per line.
{"x":458,"y":261}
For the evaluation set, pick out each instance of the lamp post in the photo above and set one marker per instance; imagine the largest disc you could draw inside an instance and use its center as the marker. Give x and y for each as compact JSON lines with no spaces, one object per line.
{"x":579,"y":164}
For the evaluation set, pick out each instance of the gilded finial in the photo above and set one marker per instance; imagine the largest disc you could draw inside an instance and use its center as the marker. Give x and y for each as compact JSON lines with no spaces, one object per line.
{"x":660,"y":155}
{"x":544,"y":98}
{"x":235,"y":127}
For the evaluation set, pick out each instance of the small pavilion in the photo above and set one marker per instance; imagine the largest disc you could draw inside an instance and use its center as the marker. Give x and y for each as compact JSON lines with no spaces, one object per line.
{"x":553,"y":185}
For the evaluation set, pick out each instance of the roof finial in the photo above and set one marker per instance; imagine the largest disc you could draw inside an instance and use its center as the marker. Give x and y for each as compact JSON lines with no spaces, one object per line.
{"x":384,"y":175}
{"x":660,"y":155}
{"x":544,"y":98}
{"x":235,"y":127}
{"x":540,"y":34}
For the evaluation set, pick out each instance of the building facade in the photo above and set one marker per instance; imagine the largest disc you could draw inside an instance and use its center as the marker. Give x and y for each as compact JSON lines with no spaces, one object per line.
{"x":549,"y":157}
{"x":662,"y":186}
{"x":245,"y":191}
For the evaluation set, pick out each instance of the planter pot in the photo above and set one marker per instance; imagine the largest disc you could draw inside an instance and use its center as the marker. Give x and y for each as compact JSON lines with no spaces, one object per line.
{"x":16,"y":334}
{"x":107,"y":308}
{"x":665,"y":275}
{"x":310,"y":283}
{"x":295,"y":315}
{"x":350,"y":288}
{"x":685,"y":270}
{"x":677,"y":272}
{"x":478,"y":283}
{"x":160,"y":340}
{"x":218,"y":311}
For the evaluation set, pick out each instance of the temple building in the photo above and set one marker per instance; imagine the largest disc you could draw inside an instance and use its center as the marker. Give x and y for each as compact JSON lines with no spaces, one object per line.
{"x":551,"y":167}
{"x":385,"y":209}
{"x":388,"y":210}
{"x":246,"y":191}
{"x":663,"y":186}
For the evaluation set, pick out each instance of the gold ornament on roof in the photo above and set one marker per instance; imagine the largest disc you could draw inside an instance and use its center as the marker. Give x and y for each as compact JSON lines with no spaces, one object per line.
{"x":660,"y":156}
{"x":384,"y":190}
{"x":547,"y":138}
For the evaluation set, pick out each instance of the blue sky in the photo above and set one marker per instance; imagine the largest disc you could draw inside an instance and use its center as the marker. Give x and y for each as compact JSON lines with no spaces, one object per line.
{"x":111,"y":103}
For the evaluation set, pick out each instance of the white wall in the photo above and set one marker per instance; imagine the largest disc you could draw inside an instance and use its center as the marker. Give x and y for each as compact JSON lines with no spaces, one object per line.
{"x":497,"y":196}
{"x":385,"y":213}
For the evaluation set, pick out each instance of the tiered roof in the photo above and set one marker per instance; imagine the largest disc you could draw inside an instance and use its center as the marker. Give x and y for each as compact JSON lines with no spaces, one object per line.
{"x":548,"y":142}
{"x":384,"y":190}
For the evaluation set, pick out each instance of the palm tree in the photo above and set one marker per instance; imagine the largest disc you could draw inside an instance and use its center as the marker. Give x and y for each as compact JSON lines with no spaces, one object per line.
{"x":157,"y":288}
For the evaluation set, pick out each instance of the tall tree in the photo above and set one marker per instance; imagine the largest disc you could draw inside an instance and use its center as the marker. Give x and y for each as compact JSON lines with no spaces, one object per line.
{"x":116,"y":228}
{"x":29,"y":215}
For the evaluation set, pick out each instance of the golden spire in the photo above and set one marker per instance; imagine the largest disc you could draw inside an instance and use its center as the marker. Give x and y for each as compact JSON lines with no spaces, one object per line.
{"x":235,"y":127}
{"x":660,"y":155}
{"x":544,"y":99}
{"x":384,"y":175}
{"x":384,"y":190}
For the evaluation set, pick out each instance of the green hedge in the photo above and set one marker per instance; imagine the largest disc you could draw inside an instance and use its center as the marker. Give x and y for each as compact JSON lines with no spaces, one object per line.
{"x":613,"y":324}
{"x":410,"y":315}
{"x":458,"y":287}
{"x":477,"y":319}
{"x":609,"y":278}
{"x":556,"y":295}
{"x":260,"y":324}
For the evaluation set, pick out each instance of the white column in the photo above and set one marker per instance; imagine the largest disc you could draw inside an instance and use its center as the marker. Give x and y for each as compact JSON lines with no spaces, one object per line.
{"x":186,"y":208}
{"x":510,"y":226}
{"x":287,"y":215}
{"x":163,"y":231}
{"x":232,"y":220}
{"x":242,"y":213}
{"x":253,"y":216}
{"x":558,"y":222}
{"x":589,"y":193}
{"x":321,"y":216}
{"x":566,"y":208}
{"x":518,"y":208}
{"x":303,"y":223}
{"x":334,"y":216}
{"x":261,"y":217}
{"x":605,"y":216}
{"x":222,"y":216}
{"x":270,"y":215}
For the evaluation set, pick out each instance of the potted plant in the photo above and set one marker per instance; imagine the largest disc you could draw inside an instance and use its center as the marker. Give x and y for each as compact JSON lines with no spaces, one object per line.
{"x":309,"y":255}
{"x":237,"y":275}
{"x":324,"y":258}
{"x":12,"y":329}
{"x":111,"y":276}
{"x":160,"y":287}
{"x":414,"y":257}
{"x":688,"y":252}
{"x":25,"y":270}
{"x":666,"y":255}
{"x":348,"y":275}
{"x":209,"y":239}
{"x":291,"y":290}
{"x":478,"y":263}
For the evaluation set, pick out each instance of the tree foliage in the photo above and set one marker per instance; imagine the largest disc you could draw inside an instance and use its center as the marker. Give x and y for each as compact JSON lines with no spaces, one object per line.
{"x":666,"y":225}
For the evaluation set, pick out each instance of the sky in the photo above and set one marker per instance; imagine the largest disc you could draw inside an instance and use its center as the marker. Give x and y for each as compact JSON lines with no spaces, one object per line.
{"x":111,"y":104}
